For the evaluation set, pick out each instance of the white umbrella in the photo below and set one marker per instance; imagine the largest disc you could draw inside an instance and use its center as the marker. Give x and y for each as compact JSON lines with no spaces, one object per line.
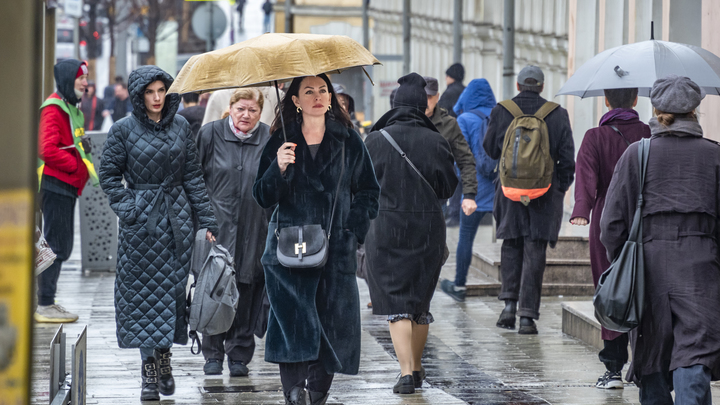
{"x":640,"y":64}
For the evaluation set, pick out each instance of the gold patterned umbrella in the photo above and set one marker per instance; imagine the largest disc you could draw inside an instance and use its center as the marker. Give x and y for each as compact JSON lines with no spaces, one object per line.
{"x":270,"y":58}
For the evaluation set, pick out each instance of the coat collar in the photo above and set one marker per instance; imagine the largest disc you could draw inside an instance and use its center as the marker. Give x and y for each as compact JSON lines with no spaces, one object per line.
{"x":682,"y":127}
{"x":330,"y":150}
{"x":407,"y":116}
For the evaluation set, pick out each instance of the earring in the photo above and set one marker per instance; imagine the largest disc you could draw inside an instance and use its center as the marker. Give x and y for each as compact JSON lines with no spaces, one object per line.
{"x":299,"y":110}
{"x":330,"y":108}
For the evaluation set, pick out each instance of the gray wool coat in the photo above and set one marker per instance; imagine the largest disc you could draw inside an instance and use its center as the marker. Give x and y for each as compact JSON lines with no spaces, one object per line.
{"x":230,"y":166}
{"x":165,"y":188}
{"x":681,"y":228}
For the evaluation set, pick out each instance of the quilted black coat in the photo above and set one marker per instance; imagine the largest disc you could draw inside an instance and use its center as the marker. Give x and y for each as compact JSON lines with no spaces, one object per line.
{"x":164,"y":188}
{"x":315,"y":313}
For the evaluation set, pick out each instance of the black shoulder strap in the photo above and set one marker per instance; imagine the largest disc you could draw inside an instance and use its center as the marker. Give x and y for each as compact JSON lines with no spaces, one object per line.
{"x":621,"y":134}
{"x":404,"y":156}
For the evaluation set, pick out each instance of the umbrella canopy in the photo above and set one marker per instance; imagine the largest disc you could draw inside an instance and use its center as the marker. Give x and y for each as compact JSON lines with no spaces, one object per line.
{"x":268,"y":58}
{"x":640,"y":64}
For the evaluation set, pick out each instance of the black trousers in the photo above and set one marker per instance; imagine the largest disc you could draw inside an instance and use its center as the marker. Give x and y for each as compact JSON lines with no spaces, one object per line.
{"x":522,"y":268}
{"x":292,"y":374}
{"x":615,"y":353}
{"x":239,"y":341}
{"x":452,"y":212}
{"x":58,"y":220}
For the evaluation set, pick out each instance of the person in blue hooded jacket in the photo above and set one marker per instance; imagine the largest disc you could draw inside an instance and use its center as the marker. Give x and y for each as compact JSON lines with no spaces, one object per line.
{"x":473,"y":111}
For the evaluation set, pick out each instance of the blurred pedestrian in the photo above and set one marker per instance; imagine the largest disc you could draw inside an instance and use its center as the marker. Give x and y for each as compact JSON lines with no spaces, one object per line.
{"x":109,"y":94}
{"x":219,"y":100}
{"x":154,"y":152}
{"x":526,"y":230}
{"x":677,"y":345}
{"x":473,"y":109}
{"x":122,"y":105}
{"x":406,"y":243}
{"x":314,"y":324}
{"x":192,"y":112}
{"x":449,"y":129}
{"x":599,"y":152}
{"x":92,"y":108}
{"x":347,"y":102}
{"x":267,"y":8}
{"x":63,"y":177}
{"x":454,"y":77}
{"x":229,"y":152}
{"x":240,"y":7}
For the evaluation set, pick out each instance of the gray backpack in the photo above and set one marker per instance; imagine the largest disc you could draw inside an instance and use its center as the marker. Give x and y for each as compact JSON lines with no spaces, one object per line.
{"x":216,"y":295}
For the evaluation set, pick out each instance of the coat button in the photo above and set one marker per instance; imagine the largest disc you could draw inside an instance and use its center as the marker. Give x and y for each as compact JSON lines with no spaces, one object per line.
{"x":239,"y":167}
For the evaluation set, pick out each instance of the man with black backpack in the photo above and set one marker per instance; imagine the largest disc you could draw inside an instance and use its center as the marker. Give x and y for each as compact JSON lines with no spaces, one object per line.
{"x":533,"y":141}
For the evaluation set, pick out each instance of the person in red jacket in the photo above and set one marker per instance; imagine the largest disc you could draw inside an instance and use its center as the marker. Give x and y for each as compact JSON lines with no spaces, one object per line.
{"x":63,"y":177}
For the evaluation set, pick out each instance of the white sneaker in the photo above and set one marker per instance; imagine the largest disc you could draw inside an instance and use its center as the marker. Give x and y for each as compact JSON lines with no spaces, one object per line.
{"x":610,"y":380}
{"x":54,"y":314}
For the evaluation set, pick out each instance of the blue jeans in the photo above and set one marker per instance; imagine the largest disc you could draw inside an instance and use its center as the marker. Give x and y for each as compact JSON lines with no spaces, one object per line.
{"x":692,"y":387}
{"x":468,"y":228}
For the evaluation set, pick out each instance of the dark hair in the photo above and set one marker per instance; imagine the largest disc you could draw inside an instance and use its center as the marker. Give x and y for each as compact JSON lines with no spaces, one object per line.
{"x":530,"y":85}
{"x":289,"y":111}
{"x":621,"y":98}
{"x":119,"y":79}
{"x":666,"y":119}
{"x":190,"y":98}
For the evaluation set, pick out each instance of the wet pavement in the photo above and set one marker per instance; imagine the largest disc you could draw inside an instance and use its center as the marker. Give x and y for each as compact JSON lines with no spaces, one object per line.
{"x":468,"y":359}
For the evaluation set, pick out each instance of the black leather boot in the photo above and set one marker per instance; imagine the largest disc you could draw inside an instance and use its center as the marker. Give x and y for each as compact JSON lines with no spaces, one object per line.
{"x":507,"y":316}
{"x":527,"y":326}
{"x":318,"y":398}
{"x":296,"y":396}
{"x":166,"y":382}
{"x":150,"y":390}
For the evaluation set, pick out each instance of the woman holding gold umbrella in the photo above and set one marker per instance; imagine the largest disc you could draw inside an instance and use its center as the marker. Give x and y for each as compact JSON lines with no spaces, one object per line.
{"x":322,"y":175}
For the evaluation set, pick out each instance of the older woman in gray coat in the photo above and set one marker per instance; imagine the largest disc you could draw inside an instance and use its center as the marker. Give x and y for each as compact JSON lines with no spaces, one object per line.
{"x":678,"y":341}
{"x":229,"y":151}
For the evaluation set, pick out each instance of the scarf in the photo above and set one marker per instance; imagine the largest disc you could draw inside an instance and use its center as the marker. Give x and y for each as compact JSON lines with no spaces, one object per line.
{"x":240,"y":134}
{"x":625,"y":114}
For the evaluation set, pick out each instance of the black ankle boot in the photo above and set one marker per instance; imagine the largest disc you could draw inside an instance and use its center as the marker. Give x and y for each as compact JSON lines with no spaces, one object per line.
{"x":166,"y":381}
{"x":149,"y":381}
{"x":507,"y":316}
{"x":527,"y":326}
{"x":296,"y":396}
{"x":318,"y":398}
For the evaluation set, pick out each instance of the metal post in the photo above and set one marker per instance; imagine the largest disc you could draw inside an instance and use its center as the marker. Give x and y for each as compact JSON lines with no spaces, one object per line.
{"x":48,"y":83}
{"x":209,"y":42}
{"x":406,"y":36}
{"x":457,"y":32}
{"x":288,"y":16}
{"x":76,"y":37}
{"x":509,"y":50}
{"x":366,"y":24}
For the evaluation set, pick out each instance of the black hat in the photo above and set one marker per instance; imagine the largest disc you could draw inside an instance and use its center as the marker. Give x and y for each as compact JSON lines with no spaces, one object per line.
{"x":432,"y":85}
{"x":456,"y":71}
{"x":411,"y":92}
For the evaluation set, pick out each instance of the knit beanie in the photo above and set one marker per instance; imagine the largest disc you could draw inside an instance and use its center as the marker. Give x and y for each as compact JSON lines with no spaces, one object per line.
{"x":411,"y":92}
{"x":82,"y":70}
{"x":456,"y":71}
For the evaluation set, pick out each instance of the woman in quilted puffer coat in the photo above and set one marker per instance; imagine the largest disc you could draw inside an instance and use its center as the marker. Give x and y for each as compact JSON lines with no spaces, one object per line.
{"x":154,"y":152}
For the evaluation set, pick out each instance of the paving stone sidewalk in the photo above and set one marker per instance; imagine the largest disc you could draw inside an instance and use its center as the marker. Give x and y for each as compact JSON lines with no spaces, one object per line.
{"x":468,"y":359}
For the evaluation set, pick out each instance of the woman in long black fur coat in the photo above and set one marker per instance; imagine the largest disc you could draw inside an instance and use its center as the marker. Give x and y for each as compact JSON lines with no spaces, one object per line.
{"x":314,"y":322}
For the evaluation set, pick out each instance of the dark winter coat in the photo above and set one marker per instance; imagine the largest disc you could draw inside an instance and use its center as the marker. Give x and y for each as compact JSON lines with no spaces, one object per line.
{"x":450,"y":96}
{"x":600,"y":150}
{"x":406,"y":243}
{"x":230,"y":166}
{"x":541,"y":219}
{"x":164,"y":189}
{"x":194,"y":116}
{"x":681,"y":322}
{"x":478,"y":97}
{"x":448,"y":127}
{"x":315,"y":313}
{"x":92,"y":113}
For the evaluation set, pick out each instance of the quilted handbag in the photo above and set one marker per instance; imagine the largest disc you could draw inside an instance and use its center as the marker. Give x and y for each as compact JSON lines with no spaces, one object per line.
{"x":306,"y":246}
{"x":620,"y":295}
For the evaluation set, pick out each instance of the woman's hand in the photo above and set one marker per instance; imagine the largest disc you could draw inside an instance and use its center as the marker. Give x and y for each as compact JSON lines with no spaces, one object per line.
{"x":579,"y":221}
{"x":286,"y":156}
{"x":209,"y":236}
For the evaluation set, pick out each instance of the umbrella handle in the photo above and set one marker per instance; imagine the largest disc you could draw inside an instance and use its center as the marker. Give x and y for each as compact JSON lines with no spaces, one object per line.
{"x":282,"y":120}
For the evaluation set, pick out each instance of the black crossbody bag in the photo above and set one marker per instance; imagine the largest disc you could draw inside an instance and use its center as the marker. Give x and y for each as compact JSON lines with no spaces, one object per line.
{"x":306,"y":246}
